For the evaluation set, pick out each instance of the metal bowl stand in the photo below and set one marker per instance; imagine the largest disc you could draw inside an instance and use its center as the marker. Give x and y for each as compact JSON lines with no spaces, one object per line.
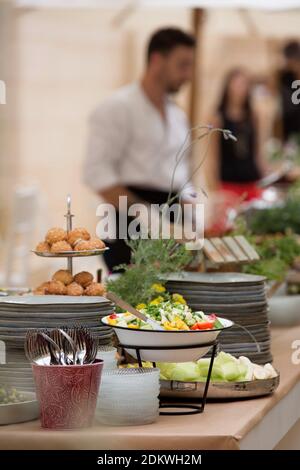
{"x":189,"y":409}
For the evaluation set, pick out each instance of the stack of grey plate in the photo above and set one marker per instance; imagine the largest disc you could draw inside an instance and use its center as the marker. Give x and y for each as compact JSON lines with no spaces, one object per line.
{"x":18,"y":314}
{"x":236,"y":296}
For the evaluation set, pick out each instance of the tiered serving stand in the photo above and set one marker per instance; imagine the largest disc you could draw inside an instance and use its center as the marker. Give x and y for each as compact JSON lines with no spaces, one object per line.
{"x":70,"y":254}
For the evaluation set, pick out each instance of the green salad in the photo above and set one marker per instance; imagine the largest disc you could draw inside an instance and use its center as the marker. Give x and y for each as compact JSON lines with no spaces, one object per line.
{"x":172,"y":316}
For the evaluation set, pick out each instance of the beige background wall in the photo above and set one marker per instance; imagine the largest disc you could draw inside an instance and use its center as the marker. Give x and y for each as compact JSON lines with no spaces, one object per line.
{"x":68,"y":61}
{"x":71,"y":60}
{"x":9,"y":119}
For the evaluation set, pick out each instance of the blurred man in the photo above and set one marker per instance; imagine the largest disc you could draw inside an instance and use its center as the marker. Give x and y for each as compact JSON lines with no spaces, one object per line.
{"x":290,"y":73}
{"x":136,"y":133}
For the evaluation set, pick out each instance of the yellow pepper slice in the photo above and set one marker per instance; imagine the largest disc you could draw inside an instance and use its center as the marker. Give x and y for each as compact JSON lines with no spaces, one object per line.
{"x":170,"y":326}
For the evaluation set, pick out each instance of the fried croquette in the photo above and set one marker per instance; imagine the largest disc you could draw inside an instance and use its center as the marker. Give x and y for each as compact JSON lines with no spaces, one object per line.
{"x":96,"y":244}
{"x":81,"y":245}
{"x":55,"y":234}
{"x":84,"y":278}
{"x":58,"y":247}
{"x":74,"y":289}
{"x":43,"y":247}
{"x":41,"y":289}
{"x":95,"y":288}
{"x":39,"y":292}
{"x":56,"y":288}
{"x":92,"y":244}
{"x":78,"y":234}
{"x":64,"y":276}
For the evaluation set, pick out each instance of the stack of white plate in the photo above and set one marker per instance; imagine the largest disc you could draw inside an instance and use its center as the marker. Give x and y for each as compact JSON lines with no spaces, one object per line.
{"x":236,"y":296}
{"x":18,"y":314}
{"x":128,"y":397}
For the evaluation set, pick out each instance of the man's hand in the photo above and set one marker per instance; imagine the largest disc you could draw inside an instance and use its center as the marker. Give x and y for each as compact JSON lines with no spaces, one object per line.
{"x":111,"y":195}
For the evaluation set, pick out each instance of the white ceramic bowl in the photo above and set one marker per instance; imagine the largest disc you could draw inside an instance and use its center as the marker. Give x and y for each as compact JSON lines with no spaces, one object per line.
{"x":20,"y":412}
{"x":284,"y":310}
{"x":168,"y":339}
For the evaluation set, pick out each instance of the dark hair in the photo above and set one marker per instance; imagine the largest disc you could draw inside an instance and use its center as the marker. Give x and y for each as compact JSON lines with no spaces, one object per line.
{"x":224,"y":96}
{"x":167,"y":39}
{"x":292,"y":50}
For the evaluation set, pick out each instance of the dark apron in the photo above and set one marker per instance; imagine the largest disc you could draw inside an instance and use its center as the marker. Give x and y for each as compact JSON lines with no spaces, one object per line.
{"x":119,"y":252}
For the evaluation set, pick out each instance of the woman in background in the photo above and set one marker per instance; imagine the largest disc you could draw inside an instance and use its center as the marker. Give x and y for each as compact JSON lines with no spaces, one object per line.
{"x":290,"y":112}
{"x":237,"y":166}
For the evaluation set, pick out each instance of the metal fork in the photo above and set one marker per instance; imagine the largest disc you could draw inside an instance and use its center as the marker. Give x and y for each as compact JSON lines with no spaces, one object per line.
{"x":66,"y":344}
{"x":91,"y":347}
{"x":86,"y":345}
{"x":54,"y":349}
{"x":37,"y":348}
{"x":61,"y":346}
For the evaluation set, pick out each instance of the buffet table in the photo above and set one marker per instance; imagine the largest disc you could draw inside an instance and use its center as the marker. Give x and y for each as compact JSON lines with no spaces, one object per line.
{"x":250,"y":424}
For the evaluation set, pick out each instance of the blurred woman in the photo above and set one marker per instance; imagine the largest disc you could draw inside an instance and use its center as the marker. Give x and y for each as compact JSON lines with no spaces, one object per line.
{"x":290,"y":112}
{"x":237,"y":166}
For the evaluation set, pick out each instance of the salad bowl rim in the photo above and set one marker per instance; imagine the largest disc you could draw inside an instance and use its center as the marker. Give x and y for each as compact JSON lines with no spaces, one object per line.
{"x":169,"y":331}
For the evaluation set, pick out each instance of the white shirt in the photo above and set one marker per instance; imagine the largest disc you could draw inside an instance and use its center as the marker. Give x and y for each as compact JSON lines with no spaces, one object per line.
{"x":131,"y":144}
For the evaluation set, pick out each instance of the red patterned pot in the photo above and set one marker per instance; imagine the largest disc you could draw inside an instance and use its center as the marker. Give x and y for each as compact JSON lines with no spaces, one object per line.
{"x":67,"y":394}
